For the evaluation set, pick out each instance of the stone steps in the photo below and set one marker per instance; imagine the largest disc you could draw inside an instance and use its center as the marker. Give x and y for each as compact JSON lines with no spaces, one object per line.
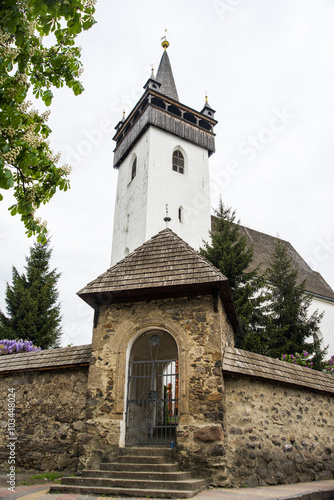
{"x":156,"y":451}
{"x":131,"y":474}
{"x":129,"y":459}
{"x":128,"y":492}
{"x":173,"y":467}
{"x":139,"y":472}
{"x":188,"y":484}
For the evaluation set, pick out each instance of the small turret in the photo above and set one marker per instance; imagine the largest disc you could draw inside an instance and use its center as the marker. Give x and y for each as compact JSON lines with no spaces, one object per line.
{"x":207,"y":110}
{"x":120,"y":123}
{"x":152,"y":83}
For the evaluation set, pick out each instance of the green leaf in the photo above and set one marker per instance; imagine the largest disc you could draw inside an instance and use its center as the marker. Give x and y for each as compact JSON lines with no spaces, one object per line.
{"x":16,"y":120}
{"x":88,"y":24}
{"x":47,"y":97}
{"x":6,"y":179}
{"x":77,"y":88}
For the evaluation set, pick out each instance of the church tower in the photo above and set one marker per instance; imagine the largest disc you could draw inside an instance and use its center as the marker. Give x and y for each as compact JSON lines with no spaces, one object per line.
{"x":161,"y":154}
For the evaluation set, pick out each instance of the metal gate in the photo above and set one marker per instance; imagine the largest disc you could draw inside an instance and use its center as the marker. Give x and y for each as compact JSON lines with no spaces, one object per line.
{"x":152,"y":403}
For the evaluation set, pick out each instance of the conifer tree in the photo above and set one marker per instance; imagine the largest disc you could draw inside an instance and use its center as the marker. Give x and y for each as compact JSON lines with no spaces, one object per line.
{"x":31,"y":301}
{"x":288,"y":327}
{"x":230,"y":253}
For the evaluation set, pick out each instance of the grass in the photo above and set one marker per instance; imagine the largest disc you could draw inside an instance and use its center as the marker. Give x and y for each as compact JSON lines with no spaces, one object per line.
{"x":48,"y":476}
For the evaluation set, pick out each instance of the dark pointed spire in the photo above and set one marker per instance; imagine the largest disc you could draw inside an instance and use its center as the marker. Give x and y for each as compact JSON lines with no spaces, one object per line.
{"x":165,"y":76}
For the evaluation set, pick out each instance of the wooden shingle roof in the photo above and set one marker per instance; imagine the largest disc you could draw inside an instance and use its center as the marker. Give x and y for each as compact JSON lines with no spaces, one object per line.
{"x":164,"y":260}
{"x":62,"y":357}
{"x":238,"y":361}
{"x":163,"y":266}
{"x":166,"y":78}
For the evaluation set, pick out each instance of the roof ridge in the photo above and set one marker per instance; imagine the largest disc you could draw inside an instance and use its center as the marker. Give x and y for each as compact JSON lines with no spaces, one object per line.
{"x":187,"y":246}
{"x":50,"y":358}
{"x":150,"y":265}
{"x":309,"y":375}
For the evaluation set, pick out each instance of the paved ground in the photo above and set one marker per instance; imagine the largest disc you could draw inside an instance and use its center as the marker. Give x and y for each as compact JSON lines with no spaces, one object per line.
{"x":319,"y":490}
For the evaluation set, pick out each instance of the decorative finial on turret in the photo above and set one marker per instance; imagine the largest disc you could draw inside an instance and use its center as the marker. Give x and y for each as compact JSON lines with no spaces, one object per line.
{"x":207,"y":110}
{"x":165,"y":44}
{"x":123,"y":117}
{"x":167,"y":218}
{"x":152,"y":71}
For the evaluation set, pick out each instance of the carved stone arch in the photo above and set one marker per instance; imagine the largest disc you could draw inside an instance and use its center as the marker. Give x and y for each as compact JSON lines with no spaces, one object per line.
{"x":124,"y":349}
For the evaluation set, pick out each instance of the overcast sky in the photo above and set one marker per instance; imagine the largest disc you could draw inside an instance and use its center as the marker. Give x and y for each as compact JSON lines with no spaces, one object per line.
{"x":267,"y":67}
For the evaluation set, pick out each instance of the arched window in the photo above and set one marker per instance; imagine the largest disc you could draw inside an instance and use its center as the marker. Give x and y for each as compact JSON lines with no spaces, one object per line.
{"x":134,"y":169}
{"x":178,"y":162}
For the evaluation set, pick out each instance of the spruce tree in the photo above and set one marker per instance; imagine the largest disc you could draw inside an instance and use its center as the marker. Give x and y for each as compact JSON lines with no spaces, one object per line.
{"x":288,"y":327}
{"x":230,"y":253}
{"x":31,"y":302}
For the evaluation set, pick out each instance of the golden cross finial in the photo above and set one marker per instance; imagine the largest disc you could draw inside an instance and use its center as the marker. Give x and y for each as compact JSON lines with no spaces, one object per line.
{"x":165,"y":44}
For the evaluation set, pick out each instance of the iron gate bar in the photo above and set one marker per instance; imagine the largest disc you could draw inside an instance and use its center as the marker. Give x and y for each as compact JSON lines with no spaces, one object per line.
{"x":152,"y":403}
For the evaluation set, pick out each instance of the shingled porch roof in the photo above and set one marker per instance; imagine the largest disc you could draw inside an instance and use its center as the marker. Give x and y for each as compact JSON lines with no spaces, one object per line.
{"x":59,"y":358}
{"x":240,"y":362}
{"x":164,"y":266}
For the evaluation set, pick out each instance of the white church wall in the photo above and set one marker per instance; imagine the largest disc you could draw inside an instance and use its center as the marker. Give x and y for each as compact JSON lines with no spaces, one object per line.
{"x":327,"y":322}
{"x":190,"y":190}
{"x":141,"y":203}
{"x":131,"y":202}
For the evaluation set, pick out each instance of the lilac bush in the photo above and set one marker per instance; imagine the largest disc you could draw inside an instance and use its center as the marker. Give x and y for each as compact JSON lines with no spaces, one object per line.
{"x":15,"y":346}
{"x":302,"y":359}
{"x":329,"y":366}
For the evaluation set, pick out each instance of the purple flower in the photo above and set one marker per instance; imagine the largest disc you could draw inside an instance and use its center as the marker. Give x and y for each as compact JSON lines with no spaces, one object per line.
{"x":15,"y":346}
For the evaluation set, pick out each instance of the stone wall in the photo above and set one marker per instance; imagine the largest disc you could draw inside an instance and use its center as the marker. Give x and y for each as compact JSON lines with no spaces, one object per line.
{"x":49,"y":418}
{"x":277,"y":433}
{"x":271,"y":433}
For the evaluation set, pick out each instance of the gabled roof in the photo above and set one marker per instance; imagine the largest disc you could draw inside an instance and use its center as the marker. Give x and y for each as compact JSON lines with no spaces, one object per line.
{"x":63,"y":357}
{"x":163,"y":261}
{"x":263,"y":250}
{"x":264,"y":245}
{"x":166,"y":78}
{"x":163,"y":266}
{"x":242,"y":362}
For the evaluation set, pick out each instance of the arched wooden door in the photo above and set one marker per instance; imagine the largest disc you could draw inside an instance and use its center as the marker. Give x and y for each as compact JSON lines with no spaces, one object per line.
{"x":152,"y":395}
